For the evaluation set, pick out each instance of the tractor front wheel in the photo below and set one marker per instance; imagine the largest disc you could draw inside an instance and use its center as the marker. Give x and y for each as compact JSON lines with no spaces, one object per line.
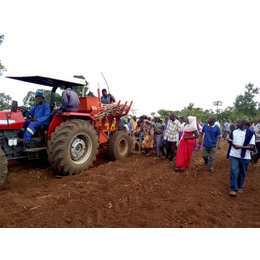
{"x":73,"y":147}
{"x":3,"y":166}
{"x":119,"y":145}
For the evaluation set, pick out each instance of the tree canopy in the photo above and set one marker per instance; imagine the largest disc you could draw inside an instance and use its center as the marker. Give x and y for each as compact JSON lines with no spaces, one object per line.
{"x":5,"y":101}
{"x":244,"y":105}
{"x":29,"y":100}
{"x":81,"y":91}
{"x":2,"y":67}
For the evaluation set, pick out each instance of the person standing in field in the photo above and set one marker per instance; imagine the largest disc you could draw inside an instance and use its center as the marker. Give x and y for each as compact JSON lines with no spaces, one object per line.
{"x":185,"y":148}
{"x":172,"y":136}
{"x":212,"y":135}
{"x":158,"y":132}
{"x":241,"y":143}
{"x":256,"y":156}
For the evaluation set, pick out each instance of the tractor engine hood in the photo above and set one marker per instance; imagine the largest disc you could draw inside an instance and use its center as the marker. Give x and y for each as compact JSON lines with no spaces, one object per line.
{"x":11,"y":120}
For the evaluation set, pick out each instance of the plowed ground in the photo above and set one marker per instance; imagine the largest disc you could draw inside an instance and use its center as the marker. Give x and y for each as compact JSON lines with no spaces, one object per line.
{"x":135,"y":192}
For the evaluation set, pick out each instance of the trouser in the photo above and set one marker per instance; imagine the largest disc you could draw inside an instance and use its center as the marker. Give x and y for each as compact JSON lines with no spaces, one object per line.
{"x":208,"y":154}
{"x":162,"y":146}
{"x":225,"y":134}
{"x":28,"y":129}
{"x":256,"y":156}
{"x":170,"y":150}
{"x":158,"y":141}
{"x":238,"y":169}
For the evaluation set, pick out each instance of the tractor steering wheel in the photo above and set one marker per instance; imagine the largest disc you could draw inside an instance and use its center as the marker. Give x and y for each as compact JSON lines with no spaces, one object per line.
{"x":24,"y":111}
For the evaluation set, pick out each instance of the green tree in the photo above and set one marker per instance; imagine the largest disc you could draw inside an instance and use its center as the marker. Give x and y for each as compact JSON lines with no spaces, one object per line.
{"x":5,"y":101}
{"x":245,"y":103}
{"x":2,"y":67}
{"x":218,"y":104}
{"x":29,"y":100}
{"x":81,"y":91}
{"x":164,"y":113}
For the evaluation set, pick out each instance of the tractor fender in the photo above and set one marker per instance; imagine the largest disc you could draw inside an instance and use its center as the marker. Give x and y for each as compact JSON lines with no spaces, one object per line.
{"x":65,"y":116}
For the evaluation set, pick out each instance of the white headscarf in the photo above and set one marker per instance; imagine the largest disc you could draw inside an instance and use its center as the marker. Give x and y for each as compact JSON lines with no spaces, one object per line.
{"x":192,"y":125}
{"x":157,"y":115}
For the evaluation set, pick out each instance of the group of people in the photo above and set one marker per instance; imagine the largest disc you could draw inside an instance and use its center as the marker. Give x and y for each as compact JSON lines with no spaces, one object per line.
{"x":177,"y":137}
{"x":170,"y":138}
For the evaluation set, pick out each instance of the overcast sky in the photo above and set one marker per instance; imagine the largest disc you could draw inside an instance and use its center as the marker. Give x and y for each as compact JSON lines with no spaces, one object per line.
{"x":158,"y":54}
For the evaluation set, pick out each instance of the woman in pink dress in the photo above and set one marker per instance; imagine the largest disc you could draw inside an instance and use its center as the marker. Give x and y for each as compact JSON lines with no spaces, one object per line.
{"x":187,"y":142}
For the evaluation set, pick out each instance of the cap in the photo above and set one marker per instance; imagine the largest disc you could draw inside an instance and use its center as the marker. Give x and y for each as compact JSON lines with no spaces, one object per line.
{"x":39,"y":94}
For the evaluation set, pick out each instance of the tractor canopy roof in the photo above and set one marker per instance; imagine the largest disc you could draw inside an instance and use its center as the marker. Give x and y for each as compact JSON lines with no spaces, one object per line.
{"x":50,"y":81}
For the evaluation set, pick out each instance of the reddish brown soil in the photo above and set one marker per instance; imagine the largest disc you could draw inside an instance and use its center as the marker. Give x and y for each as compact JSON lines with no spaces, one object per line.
{"x":134,"y":192}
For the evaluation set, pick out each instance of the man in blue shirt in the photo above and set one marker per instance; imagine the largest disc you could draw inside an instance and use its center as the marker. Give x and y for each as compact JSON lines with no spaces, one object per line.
{"x":212,"y":134}
{"x":41,"y":116}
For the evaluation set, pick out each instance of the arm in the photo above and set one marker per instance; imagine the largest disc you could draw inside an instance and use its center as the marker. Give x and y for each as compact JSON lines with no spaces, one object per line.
{"x":64,"y":101}
{"x":195,"y":136}
{"x":201,"y":136}
{"x":112,"y":97}
{"x":248,"y":147}
{"x":219,"y":141}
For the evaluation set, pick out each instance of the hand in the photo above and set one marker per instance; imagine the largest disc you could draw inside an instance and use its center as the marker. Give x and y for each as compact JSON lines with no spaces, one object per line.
{"x":34,"y":119}
{"x":219,"y":146}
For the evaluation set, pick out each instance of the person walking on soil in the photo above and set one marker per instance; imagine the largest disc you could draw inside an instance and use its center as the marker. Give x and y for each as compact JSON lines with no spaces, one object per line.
{"x":226,"y":129}
{"x":241,"y":143}
{"x":212,"y":136}
{"x":148,"y":136}
{"x":256,"y":156}
{"x":185,"y":148}
{"x":172,"y":136}
{"x":133,"y":125}
{"x":158,"y":132}
{"x":129,"y":124}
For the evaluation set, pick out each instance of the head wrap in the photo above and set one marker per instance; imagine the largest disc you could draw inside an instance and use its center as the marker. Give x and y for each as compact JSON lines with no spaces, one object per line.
{"x":157,"y":115}
{"x":192,"y":125}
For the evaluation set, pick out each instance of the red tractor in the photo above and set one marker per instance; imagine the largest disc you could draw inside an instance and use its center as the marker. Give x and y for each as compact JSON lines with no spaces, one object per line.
{"x":73,"y":139}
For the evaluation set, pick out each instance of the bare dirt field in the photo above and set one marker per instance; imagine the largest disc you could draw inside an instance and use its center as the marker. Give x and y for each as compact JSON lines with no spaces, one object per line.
{"x":135,"y":192}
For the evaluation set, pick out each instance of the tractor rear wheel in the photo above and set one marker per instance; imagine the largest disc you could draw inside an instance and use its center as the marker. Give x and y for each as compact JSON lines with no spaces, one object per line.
{"x":119,"y":145}
{"x":72,"y":147}
{"x":3,"y":166}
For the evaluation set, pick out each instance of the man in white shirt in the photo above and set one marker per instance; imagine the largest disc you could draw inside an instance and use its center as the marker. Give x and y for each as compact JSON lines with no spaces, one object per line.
{"x":241,"y":143}
{"x":171,"y":135}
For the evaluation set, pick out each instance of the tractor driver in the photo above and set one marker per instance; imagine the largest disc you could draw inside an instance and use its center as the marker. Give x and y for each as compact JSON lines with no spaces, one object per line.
{"x":41,"y":116}
{"x":107,"y":98}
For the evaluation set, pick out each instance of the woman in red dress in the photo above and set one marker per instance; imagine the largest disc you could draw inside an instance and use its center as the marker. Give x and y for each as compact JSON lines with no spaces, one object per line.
{"x":185,"y":148}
